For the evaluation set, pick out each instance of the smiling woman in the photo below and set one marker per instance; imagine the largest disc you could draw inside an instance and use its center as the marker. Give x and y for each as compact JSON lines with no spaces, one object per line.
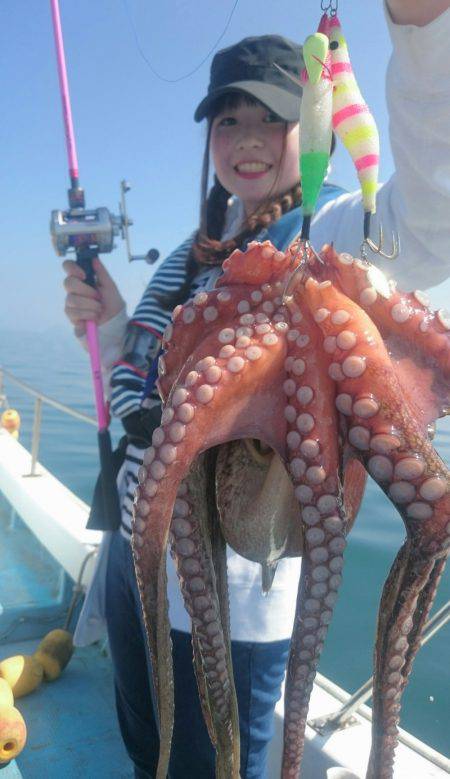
{"x":252,"y":113}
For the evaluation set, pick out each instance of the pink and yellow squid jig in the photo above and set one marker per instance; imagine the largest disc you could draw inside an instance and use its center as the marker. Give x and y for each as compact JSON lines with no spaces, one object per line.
{"x":355,"y":126}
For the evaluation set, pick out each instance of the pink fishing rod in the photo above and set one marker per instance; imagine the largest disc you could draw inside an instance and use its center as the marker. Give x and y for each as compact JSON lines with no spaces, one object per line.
{"x":78,"y":196}
{"x":65,"y":96}
{"x":87,"y":233}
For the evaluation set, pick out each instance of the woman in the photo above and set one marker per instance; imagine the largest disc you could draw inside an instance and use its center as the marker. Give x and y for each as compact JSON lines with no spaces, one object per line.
{"x":252,"y":113}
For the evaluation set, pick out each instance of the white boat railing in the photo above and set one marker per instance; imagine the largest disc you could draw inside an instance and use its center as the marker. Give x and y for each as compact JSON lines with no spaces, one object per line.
{"x":53,"y":513}
{"x":40,"y":400}
{"x":342,"y":717}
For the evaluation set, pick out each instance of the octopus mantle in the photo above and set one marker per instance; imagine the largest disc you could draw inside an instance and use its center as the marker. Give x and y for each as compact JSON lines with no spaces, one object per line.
{"x":341,"y":377}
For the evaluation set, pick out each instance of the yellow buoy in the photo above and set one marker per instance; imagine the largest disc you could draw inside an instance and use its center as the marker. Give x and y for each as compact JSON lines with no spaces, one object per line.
{"x":6,"y":694}
{"x":13,"y":733}
{"x":23,"y":674}
{"x":10,"y":421}
{"x":54,"y":652}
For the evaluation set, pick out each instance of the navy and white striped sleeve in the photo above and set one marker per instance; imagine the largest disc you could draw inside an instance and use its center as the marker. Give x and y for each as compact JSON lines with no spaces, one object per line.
{"x":128,"y":379}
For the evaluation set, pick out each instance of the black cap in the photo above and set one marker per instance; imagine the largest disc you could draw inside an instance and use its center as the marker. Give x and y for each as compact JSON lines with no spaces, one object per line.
{"x":248,"y":67}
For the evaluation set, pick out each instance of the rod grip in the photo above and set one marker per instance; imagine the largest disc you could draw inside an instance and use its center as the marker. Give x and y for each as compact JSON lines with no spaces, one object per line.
{"x":110,"y":494}
{"x":84,"y":260}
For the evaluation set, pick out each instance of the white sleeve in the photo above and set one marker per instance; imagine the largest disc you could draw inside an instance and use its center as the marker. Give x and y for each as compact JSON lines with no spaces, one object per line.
{"x":415,"y":202}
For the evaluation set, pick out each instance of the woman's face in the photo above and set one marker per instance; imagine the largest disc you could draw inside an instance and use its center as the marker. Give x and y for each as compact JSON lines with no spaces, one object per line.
{"x":247,"y":150}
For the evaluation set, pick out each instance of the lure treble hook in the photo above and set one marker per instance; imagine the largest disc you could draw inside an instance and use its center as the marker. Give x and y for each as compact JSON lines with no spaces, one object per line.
{"x":378,"y":248}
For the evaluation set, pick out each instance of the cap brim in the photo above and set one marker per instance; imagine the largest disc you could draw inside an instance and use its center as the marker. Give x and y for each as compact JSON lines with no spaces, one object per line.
{"x":282,"y":102}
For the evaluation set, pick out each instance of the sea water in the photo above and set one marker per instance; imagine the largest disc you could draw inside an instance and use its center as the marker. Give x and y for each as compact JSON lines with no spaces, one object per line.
{"x":54,"y":364}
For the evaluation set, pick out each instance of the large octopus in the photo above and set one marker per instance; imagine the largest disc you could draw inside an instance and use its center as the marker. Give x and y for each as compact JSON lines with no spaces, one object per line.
{"x":280,"y":391}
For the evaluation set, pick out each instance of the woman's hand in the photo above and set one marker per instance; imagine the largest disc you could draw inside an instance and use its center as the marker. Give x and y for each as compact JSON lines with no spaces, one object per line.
{"x":83,"y":302}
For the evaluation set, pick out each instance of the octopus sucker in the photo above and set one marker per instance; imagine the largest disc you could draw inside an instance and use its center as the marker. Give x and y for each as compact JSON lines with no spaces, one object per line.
{"x":309,"y":393}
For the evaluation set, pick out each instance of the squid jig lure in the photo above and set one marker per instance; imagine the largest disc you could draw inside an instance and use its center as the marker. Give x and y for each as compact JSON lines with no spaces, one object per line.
{"x":356,"y":127}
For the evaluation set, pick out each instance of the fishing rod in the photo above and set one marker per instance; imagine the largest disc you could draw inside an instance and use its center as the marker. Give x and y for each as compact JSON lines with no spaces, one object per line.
{"x":87,"y":233}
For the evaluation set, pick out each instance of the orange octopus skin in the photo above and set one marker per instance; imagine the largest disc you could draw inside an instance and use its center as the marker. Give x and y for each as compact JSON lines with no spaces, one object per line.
{"x":344,"y":371}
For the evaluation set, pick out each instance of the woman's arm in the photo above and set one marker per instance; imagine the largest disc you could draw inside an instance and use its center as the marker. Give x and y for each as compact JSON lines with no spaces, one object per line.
{"x":104,"y":305}
{"x":416,"y":12}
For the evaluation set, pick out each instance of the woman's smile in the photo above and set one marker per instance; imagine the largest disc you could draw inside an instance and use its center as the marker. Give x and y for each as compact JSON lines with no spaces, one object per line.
{"x":252,"y":169}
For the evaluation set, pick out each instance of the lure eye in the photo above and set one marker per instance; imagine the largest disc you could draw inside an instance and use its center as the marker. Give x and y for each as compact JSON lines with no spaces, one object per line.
{"x":334,"y":45}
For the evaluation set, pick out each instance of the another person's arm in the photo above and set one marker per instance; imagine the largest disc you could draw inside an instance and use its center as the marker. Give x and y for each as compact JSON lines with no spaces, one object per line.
{"x":416,"y":12}
{"x":418,"y":97}
{"x":415,"y":202}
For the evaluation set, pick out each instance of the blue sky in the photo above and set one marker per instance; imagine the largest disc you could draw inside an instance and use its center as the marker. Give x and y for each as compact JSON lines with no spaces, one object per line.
{"x":130,"y":124}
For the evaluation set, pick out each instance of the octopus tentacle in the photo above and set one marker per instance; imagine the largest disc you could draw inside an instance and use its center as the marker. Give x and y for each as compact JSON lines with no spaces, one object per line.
{"x":389,"y":439}
{"x":210,"y":311}
{"x":391,"y":650}
{"x":200,"y":677}
{"x":314,"y":467}
{"x":261,"y":263}
{"x":398,"y":639}
{"x":424,"y":604}
{"x":319,"y":584}
{"x":149,"y":551}
{"x":404,"y":313}
{"x":192,"y":552}
{"x":198,"y":667}
{"x":219,"y":561}
{"x":416,"y":336}
{"x":407,"y":598}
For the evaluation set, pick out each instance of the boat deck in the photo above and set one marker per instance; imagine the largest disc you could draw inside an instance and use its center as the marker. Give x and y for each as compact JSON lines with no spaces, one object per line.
{"x":35,"y":591}
{"x":71,"y":723}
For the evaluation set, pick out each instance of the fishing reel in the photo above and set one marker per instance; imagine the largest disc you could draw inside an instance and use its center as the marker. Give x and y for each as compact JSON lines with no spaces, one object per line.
{"x":82,"y":228}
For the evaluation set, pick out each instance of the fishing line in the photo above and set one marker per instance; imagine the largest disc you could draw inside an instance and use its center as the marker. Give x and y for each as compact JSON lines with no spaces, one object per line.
{"x":191,"y":72}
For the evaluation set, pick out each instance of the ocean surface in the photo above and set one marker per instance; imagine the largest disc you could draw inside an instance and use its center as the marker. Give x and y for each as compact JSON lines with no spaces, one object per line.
{"x":53,"y":363}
